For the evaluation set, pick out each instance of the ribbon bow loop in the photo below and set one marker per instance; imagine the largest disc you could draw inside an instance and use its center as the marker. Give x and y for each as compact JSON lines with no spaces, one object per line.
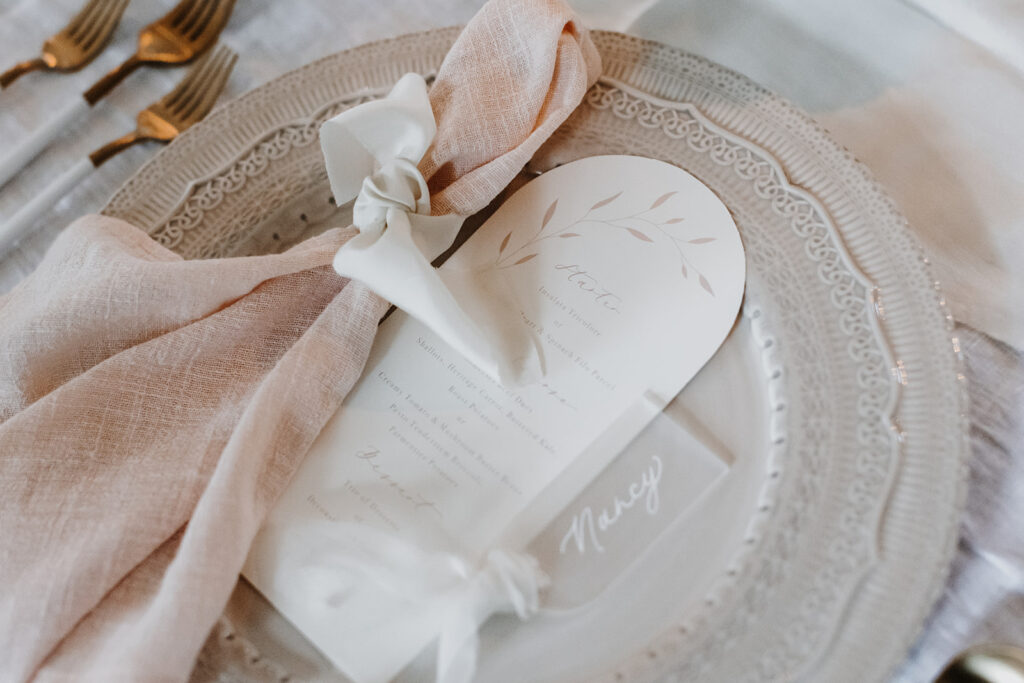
{"x":360,"y":142}
{"x":372,"y":151}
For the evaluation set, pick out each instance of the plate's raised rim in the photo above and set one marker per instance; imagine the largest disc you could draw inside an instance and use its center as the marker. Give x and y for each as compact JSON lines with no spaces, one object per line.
{"x":885,"y":420}
{"x":148,"y":197}
{"x":190,"y":161}
{"x":887,"y":646}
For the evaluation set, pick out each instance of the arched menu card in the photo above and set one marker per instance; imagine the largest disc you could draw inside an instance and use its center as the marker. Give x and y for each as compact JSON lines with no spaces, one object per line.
{"x":629,"y":273}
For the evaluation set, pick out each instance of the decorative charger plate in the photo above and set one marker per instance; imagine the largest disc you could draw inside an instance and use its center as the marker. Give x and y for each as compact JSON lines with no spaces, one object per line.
{"x":837,"y":400}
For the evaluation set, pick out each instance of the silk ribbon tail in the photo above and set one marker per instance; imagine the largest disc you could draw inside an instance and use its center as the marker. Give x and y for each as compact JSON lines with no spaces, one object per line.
{"x":455,"y":305}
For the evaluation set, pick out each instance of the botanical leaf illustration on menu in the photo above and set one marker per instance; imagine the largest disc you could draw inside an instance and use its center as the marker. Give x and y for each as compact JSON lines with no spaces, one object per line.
{"x":644,"y":226}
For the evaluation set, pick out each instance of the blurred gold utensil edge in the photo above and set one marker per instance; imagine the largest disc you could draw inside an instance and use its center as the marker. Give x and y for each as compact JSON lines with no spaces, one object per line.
{"x":181,"y":108}
{"x":162,"y":121}
{"x":178,"y":37}
{"x":76,"y":44}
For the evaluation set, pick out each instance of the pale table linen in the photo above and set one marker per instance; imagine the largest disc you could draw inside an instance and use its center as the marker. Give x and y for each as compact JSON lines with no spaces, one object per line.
{"x":933,"y":114}
{"x":996,"y":25}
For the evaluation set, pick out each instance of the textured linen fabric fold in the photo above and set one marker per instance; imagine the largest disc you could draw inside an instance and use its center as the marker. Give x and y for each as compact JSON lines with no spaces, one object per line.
{"x":152,"y":409}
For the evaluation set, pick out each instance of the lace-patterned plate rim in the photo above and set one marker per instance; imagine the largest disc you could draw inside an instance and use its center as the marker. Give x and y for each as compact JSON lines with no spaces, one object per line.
{"x":628,"y":103}
{"x":206,"y":193}
{"x":652,"y":52}
{"x":150,"y":196}
{"x":887,"y":251}
{"x":885,"y":247}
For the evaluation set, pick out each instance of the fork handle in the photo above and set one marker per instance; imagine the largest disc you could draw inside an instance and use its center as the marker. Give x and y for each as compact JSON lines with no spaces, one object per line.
{"x":26,"y":218}
{"x":39,"y":139}
{"x":12,"y":74}
{"x":99,"y":89}
{"x":115,"y":147}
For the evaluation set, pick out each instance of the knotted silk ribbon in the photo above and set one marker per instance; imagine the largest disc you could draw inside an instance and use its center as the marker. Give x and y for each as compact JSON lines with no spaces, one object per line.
{"x":453,"y":595}
{"x":372,"y":152}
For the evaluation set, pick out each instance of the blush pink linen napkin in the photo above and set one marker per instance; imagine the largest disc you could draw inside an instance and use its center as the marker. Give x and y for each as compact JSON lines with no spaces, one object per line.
{"x":152,"y":409}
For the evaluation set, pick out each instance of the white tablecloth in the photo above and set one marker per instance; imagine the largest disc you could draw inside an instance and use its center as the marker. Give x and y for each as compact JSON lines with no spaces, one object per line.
{"x":934,"y":112}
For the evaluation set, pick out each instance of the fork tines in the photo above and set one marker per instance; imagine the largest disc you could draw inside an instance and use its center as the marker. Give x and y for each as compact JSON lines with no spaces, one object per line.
{"x":76,"y":44}
{"x":191,"y":17}
{"x":96,"y":21}
{"x":195,"y":95}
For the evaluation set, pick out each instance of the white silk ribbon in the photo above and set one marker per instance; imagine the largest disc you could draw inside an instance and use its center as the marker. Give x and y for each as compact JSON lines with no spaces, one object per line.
{"x":456,"y":597}
{"x":372,"y":151}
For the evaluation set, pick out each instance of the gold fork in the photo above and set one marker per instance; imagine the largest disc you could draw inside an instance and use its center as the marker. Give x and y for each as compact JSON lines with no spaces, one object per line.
{"x":178,"y":37}
{"x":161,"y":121}
{"x":180,"y":109}
{"x":77,"y":44}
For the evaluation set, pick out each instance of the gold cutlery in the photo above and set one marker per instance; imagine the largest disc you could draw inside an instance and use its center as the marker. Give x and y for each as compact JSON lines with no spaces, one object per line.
{"x":76,"y":45}
{"x":162,"y":121}
{"x":178,"y":37}
{"x":180,"y":109}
